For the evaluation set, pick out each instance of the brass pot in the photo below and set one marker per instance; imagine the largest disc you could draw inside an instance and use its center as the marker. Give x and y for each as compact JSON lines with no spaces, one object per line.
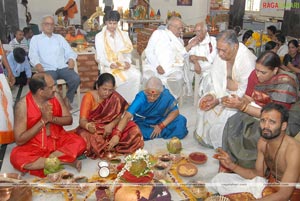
{"x":10,"y":192}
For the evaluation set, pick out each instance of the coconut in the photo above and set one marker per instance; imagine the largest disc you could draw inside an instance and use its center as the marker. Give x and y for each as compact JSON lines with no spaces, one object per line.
{"x":174,"y":146}
{"x":138,"y":167}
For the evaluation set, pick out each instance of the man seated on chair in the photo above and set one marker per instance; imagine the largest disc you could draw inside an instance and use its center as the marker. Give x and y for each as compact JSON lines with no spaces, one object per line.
{"x":165,"y":54}
{"x":156,"y":113}
{"x":20,"y":66}
{"x":228,"y":75}
{"x":51,"y":53}
{"x":201,"y":56}
{"x":114,"y":48}
{"x":38,"y":128}
{"x":277,"y":161}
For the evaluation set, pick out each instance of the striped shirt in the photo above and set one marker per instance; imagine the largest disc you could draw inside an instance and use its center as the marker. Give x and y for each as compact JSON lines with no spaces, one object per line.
{"x":23,"y":44}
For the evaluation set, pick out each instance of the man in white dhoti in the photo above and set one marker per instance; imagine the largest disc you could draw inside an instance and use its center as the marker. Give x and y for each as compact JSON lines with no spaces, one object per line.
{"x":228,"y":75}
{"x":277,"y":162}
{"x":201,"y":56}
{"x":165,"y":54}
{"x":113,"y":48}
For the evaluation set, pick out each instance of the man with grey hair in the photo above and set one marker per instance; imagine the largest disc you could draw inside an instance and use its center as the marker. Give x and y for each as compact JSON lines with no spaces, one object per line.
{"x":156,"y":113}
{"x":228,"y":75}
{"x":165,"y":54}
{"x":201,"y":56}
{"x":52,"y":54}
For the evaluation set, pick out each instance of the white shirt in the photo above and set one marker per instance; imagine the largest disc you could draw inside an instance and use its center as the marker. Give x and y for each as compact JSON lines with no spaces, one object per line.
{"x":51,"y":52}
{"x":283,"y":50}
{"x":115,"y":43}
{"x":206,"y":48}
{"x":166,"y":50}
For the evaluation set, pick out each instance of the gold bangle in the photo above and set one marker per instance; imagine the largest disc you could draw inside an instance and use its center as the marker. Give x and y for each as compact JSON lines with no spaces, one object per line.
{"x":87,"y":125}
{"x":43,"y":122}
{"x":243,"y":107}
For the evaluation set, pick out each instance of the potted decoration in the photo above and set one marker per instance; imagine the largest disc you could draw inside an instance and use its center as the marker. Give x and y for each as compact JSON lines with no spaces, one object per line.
{"x":158,"y":14}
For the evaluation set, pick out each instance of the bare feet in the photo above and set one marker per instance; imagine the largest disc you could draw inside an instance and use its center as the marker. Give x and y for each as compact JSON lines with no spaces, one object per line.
{"x":77,"y":164}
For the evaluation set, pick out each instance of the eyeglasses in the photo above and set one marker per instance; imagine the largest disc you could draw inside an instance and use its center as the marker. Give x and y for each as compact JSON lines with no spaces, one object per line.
{"x":179,"y":28}
{"x":48,"y":24}
{"x":198,"y":31}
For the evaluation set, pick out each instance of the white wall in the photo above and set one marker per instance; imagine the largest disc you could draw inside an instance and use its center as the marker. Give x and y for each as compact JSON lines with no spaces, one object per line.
{"x":190,"y":14}
{"x":40,"y":8}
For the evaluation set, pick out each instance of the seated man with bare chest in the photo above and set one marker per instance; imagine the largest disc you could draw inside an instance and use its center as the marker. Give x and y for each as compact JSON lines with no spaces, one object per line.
{"x":277,"y":162}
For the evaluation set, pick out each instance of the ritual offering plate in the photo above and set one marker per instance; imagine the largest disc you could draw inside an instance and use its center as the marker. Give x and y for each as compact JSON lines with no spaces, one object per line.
{"x":244,"y":196}
{"x":198,"y":189}
{"x":198,"y":158}
{"x":217,"y":198}
{"x":187,"y":170}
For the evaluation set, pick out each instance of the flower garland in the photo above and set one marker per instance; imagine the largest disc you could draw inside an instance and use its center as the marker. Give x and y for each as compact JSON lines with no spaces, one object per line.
{"x":257,"y":40}
{"x":173,"y":13}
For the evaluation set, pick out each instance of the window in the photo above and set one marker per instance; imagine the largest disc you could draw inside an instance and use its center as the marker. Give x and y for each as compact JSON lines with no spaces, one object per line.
{"x":252,"y":5}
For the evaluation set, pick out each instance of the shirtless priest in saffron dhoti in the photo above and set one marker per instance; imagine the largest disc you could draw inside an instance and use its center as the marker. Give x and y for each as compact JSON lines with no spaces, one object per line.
{"x":113,"y":48}
{"x":38,"y":128}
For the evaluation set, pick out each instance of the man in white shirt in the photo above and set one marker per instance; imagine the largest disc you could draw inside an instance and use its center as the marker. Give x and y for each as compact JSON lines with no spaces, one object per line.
{"x":113,"y":48}
{"x":228,"y":75}
{"x":201,"y":56}
{"x":51,"y":53}
{"x":165,"y":55}
{"x":283,"y":48}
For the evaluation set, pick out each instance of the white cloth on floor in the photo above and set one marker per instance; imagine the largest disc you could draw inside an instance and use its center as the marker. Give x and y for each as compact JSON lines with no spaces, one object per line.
{"x":228,"y":183}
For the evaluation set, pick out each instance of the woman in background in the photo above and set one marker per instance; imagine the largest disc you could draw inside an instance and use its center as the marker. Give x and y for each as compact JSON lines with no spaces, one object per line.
{"x":291,"y":61}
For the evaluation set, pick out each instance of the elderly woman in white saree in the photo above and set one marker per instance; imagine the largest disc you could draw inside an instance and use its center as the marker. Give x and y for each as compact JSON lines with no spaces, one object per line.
{"x":113,"y":48}
{"x":229,"y":75}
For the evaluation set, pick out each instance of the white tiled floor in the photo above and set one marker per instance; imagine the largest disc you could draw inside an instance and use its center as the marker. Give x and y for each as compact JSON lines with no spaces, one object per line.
{"x":89,"y":167}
